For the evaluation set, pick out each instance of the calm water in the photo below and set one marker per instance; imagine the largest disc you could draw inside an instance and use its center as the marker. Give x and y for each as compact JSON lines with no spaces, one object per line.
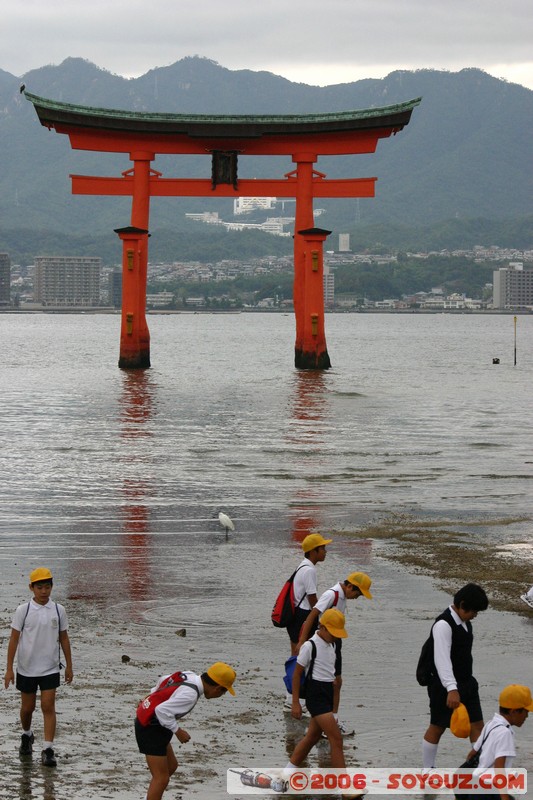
{"x":115,"y":479}
{"x":412,"y":415}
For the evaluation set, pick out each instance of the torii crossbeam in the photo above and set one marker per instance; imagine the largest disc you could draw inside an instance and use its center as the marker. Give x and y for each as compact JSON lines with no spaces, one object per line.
{"x":225,"y":139}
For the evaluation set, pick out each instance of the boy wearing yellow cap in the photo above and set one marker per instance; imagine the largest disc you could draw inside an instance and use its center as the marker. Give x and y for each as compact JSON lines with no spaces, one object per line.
{"x":38,"y":635}
{"x":305,"y":584}
{"x":155,"y":734}
{"x":317,"y":659}
{"x":496,"y":741}
{"x":357,"y":584}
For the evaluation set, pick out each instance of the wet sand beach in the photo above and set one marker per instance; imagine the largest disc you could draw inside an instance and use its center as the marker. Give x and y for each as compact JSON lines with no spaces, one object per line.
{"x":226,"y":613}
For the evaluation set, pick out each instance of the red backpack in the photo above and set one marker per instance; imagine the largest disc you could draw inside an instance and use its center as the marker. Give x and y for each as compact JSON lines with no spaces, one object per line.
{"x":284,"y":607}
{"x":146,"y":708}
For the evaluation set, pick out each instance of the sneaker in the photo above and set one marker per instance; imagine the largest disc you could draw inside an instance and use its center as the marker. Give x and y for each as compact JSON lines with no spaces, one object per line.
{"x":26,"y":742}
{"x":48,"y":758}
{"x":527,"y":599}
{"x":345,"y":729}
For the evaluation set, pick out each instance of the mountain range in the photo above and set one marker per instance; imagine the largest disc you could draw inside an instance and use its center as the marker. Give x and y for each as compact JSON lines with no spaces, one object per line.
{"x":466,"y":153}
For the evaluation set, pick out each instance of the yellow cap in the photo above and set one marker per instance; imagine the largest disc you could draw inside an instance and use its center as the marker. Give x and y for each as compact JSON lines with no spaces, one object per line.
{"x":333,"y":621}
{"x":460,"y":722}
{"x":516,"y":696}
{"x":222,"y":674}
{"x":314,"y":540}
{"x":362,"y":582}
{"x":40,"y":574}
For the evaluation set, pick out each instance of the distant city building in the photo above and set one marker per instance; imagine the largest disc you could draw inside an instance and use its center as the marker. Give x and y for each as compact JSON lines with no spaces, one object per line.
{"x":5,"y":280}
{"x":329,"y":287}
{"x":344,"y":242}
{"x":115,"y":288}
{"x":210,"y":217}
{"x":513,"y":287}
{"x":67,"y":281}
{"x":159,"y":299}
{"x":243,"y":205}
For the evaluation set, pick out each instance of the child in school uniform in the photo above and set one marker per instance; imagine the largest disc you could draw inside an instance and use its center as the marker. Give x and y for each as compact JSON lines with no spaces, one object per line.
{"x":157,"y":717}
{"x":38,"y":635}
{"x":317,"y":659}
{"x":357,"y":584}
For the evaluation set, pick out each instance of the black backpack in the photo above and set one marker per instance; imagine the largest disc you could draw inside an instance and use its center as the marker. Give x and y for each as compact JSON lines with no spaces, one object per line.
{"x":425,"y":669}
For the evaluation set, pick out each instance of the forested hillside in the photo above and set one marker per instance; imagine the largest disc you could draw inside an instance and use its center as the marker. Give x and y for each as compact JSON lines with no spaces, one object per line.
{"x":464,"y":162}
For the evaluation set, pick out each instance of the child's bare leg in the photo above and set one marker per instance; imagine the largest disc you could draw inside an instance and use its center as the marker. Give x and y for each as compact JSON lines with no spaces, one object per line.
{"x":159,"y":768}
{"x":48,"y":707}
{"x":312,"y":735}
{"x":328,"y":724}
{"x":27,"y":707}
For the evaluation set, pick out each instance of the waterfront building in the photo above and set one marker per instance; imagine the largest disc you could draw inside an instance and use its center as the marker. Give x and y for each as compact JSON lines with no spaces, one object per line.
{"x":329,"y":287}
{"x":115,"y":288}
{"x":5,"y":280}
{"x":162,"y":299}
{"x":67,"y":281}
{"x":513,"y":287}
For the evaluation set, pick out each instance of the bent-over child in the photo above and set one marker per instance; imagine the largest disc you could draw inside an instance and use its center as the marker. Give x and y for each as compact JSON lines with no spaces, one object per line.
{"x":156,"y":722}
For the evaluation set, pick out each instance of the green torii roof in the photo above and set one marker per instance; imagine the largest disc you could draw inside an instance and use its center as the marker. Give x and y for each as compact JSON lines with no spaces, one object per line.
{"x":53,"y":113}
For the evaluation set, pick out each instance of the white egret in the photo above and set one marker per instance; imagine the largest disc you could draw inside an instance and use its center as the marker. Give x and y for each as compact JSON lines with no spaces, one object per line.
{"x":226,"y":522}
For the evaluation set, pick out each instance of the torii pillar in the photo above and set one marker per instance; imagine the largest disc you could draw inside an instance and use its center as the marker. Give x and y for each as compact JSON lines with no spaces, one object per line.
{"x":134,"y":333}
{"x":312,"y":351}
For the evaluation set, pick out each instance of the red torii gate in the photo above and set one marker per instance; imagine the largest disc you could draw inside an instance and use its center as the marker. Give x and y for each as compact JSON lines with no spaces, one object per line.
{"x":303,"y":137}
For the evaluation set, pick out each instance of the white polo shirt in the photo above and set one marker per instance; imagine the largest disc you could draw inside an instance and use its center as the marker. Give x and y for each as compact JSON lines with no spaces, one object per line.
{"x":324,"y":666}
{"x":499,"y":741}
{"x":180,"y":702}
{"x":304,"y":583}
{"x":38,"y":648}
{"x":327,"y":600}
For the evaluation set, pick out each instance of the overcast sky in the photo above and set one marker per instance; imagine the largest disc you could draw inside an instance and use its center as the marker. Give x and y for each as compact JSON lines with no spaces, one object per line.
{"x":319,"y":42}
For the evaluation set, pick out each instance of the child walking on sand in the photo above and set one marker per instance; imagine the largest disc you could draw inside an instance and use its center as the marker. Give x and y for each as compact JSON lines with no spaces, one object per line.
{"x":38,"y":634}
{"x":317,"y":659}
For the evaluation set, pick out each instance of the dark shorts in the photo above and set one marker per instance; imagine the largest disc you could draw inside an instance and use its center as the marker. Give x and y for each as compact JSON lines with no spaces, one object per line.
{"x":338,"y":657}
{"x":152,"y":740}
{"x":440,"y":714}
{"x":293,"y":628}
{"x":30,"y":685}
{"x":318,"y":697}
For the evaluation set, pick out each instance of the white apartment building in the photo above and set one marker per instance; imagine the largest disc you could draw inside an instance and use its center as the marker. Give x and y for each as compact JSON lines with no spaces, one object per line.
{"x":329,"y":287}
{"x":243,"y":205}
{"x":67,"y":281}
{"x":512,"y":287}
